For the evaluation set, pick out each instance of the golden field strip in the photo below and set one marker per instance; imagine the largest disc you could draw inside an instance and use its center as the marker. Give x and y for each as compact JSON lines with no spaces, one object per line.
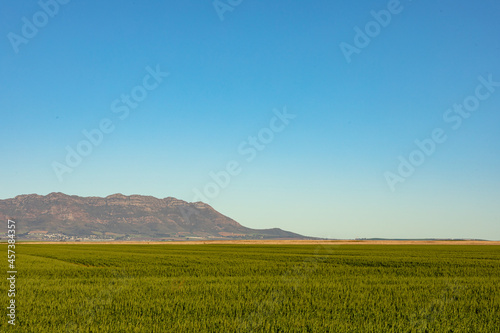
{"x":293,"y":242}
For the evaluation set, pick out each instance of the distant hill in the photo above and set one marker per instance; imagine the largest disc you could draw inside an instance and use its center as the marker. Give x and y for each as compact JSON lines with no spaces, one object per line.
{"x":117,"y":216}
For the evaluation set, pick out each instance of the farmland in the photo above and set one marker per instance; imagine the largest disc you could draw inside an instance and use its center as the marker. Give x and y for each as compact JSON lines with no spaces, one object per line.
{"x":256,"y":288}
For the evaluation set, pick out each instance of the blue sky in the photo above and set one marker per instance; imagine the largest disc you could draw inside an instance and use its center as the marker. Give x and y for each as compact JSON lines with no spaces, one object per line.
{"x":324,"y":173}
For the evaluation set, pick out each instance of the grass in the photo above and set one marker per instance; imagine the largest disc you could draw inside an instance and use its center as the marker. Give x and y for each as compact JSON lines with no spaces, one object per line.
{"x":255,"y":288}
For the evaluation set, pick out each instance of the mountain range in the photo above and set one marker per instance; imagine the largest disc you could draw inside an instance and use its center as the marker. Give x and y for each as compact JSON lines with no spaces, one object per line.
{"x":58,"y":216}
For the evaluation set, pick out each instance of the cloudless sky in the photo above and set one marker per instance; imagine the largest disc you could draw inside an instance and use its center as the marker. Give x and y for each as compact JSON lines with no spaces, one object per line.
{"x":324,"y":173}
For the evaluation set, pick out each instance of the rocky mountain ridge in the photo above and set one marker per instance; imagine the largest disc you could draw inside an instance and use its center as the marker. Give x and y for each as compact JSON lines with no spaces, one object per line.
{"x":119,"y":216}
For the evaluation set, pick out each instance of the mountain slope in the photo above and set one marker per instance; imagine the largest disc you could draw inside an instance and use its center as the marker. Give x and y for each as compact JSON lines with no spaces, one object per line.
{"x":119,"y":215}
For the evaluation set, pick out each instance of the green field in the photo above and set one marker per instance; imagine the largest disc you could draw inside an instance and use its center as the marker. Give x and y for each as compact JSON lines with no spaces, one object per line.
{"x":255,"y":288}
